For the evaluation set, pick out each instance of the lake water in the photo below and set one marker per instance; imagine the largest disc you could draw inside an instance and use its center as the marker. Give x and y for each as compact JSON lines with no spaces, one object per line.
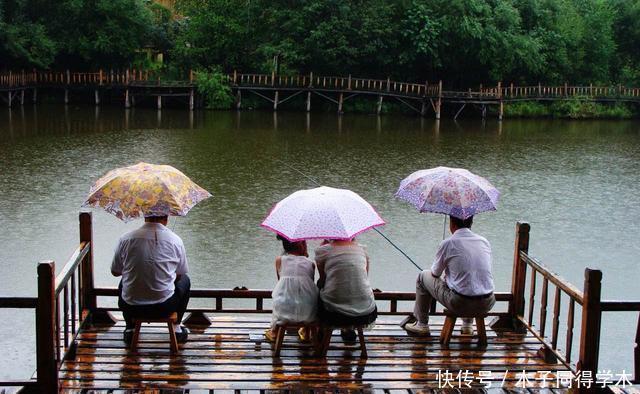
{"x":576,"y":182}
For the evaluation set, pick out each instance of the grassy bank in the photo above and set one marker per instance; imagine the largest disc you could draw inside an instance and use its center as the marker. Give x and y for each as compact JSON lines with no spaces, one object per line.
{"x":570,"y":109}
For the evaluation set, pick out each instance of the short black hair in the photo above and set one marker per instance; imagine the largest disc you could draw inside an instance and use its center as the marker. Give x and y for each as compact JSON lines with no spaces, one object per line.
{"x":462,"y":223}
{"x":289,"y":247}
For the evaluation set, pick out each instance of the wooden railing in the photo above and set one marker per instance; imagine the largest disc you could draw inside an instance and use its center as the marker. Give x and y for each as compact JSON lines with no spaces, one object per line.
{"x":61,"y":307}
{"x":556,"y":347}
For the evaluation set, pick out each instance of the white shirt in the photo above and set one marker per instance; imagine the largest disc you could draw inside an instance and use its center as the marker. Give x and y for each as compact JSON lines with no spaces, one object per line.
{"x":465,"y":258}
{"x":149,"y":258}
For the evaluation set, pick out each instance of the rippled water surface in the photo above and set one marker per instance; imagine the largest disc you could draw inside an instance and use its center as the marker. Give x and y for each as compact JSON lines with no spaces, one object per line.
{"x":577,"y":183}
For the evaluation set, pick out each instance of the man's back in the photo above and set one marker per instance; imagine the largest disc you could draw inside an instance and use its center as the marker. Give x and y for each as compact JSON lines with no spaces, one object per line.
{"x":465,"y":259}
{"x":149,"y":258}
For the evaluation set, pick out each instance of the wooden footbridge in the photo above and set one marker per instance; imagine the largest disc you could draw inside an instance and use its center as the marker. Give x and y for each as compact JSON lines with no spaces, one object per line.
{"x":422,"y":98}
{"x":80,"y":347}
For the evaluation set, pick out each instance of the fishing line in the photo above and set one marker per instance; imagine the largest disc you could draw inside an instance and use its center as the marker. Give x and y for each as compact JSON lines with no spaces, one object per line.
{"x":375,"y":229}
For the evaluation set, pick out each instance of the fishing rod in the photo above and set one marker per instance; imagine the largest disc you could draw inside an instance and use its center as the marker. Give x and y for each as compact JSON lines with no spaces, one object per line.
{"x":375,"y":229}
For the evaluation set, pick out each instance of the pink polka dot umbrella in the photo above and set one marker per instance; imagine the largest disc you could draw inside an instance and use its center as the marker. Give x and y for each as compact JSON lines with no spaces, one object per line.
{"x":322,"y":213}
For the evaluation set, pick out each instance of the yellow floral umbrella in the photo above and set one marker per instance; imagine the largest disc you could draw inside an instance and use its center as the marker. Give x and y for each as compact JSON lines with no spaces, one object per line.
{"x":145,"y":190}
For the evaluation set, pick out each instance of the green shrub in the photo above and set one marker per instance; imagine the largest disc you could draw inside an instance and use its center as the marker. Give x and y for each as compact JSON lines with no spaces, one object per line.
{"x":212,"y":84}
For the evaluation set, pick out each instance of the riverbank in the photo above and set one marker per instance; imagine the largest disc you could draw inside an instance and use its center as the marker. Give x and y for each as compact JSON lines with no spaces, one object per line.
{"x":571,"y":109}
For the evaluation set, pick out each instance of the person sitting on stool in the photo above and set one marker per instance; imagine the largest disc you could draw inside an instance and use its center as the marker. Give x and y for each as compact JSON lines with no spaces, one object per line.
{"x":465,"y":259}
{"x":153,"y":264}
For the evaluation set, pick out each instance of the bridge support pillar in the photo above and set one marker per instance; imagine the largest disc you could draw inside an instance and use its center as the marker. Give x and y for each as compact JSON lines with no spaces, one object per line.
{"x":133,"y":100}
{"x":22,"y":97}
{"x":275,"y":101}
{"x":96,"y":97}
{"x":379,"y":107}
{"x":191,"y":100}
{"x":35,"y":95}
{"x":159,"y":102}
{"x":9,"y":98}
{"x":500,"y":111}
{"x":66,"y":96}
{"x":340,"y":101}
{"x":438,"y":106}
{"x":127,"y":101}
{"x":309,"y":101}
{"x":238,"y":99}
{"x":423,"y":109}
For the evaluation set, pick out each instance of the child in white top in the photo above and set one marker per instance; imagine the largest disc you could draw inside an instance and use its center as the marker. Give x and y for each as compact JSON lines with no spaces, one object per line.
{"x":295,"y":296}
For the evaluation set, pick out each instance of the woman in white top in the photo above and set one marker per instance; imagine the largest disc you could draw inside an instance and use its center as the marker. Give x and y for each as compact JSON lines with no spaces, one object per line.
{"x":295,"y":296}
{"x":346,"y":297}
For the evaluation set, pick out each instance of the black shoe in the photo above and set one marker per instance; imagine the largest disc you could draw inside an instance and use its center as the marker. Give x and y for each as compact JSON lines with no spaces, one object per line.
{"x":127,"y":336}
{"x":348,"y":335}
{"x":183,"y":335}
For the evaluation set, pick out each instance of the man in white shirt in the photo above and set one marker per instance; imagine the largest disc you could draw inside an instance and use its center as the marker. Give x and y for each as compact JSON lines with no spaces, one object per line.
{"x":153,"y":264}
{"x":467,"y":290}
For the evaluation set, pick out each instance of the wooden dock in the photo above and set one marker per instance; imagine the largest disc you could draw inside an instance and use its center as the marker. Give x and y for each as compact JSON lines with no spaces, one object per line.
{"x":80,"y":346}
{"x":422,"y":98}
{"x":226,"y":356}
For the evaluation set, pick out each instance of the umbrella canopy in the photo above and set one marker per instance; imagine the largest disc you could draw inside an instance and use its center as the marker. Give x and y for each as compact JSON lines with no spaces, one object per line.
{"x":322,"y":213}
{"x":145,"y":190}
{"x":452,"y":191}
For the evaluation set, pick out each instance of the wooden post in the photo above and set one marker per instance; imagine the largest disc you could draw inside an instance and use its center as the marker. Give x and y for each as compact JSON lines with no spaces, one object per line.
{"x":22,"y":97}
{"x":388,"y":84}
{"x":238,"y":99}
{"x":191,"y":100}
{"x":275,"y":101}
{"x":127,"y":102}
{"x":340,"y":101}
{"x":66,"y":96}
{"x":35,"y":95}
{"x":501,"y":108}
{"x":68,"y":77}
{"x":46,"y":364}
{"x":379,"y":107}
{"x":311,"y":79}
{"x":235,"y":76}
{"x":511,"y":89}
{"x":96,"y":96}
{"x":439,"y":102}
{"x":423,"y":109}
{"x":9,"y":98}
{"x":88,"y":298}
{"x":273,"y":78}
{"x":126,"y":77}
{"x":518,"y":281}
{"x":159,"y":99}
{"x":100,"y":77}
{"x":309,"y":101}
{"x":591,"y":319}
{"x":190,"y":76}
{"x":349,"y":83}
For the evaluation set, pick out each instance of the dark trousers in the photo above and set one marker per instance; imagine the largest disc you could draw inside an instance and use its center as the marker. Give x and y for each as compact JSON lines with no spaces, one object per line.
{"x":176,"y":303}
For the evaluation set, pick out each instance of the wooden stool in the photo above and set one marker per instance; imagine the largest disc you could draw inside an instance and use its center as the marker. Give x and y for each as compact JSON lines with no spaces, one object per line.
{"x":327,"y":331}
{"x":281,"y":330}
{"x":450,"y":323}
{"x":170,"y":320}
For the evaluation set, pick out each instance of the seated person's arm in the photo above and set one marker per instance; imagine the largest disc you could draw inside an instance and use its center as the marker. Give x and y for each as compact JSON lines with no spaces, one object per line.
{"x":278,"y":265}
{"x":116,"y":264}
{"x":438,"y":263}
{"x":183,"y":264}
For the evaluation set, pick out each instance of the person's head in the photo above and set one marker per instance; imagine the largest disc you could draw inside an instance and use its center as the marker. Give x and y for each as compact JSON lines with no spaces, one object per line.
{"x":157,"y":219}
{"x":457,"y":223}
{"x":298,"y":247}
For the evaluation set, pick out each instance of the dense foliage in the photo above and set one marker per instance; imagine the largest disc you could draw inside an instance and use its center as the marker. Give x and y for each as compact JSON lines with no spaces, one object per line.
{"x":463,"y":42}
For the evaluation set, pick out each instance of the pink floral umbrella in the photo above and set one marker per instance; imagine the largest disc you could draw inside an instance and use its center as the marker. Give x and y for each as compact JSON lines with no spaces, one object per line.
{"x":322,"y":213}
{"x":451,"y":191}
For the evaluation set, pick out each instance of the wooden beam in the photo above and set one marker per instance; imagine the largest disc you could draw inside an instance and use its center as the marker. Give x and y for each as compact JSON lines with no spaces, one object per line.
{"x":591,"y":321}
{"x":47,"y":366}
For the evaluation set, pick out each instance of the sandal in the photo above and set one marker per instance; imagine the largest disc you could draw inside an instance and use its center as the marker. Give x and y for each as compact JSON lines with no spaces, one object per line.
{"x":271,"y":337}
